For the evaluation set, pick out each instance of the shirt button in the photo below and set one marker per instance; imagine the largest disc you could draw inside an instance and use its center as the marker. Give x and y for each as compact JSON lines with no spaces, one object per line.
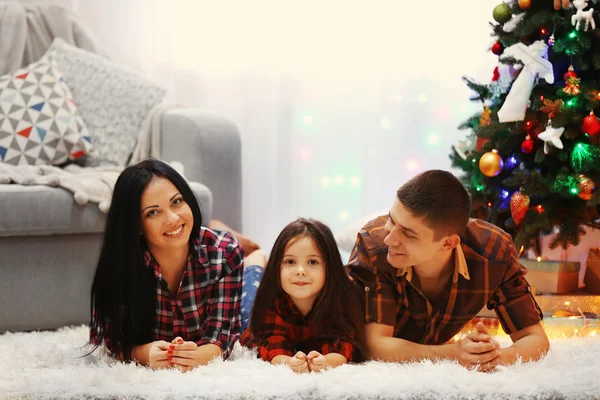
{"x":367,"y":289}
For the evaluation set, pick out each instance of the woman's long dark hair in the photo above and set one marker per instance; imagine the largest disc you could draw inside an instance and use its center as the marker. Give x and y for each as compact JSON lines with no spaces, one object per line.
{"x":337,"y":306}
{"x":123,"y":298}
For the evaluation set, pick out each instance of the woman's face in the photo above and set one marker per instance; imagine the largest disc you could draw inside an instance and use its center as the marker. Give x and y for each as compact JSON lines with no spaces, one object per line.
{"x":167,"y":220}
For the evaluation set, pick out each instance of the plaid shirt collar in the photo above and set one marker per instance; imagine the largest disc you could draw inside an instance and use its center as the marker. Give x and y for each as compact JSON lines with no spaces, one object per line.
{"x":285,"y":306}
{"x":460,"y":266}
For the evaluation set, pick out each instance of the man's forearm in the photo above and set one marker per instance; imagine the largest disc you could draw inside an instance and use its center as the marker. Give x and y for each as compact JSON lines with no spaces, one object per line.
{"x":528,"y":348}
{"x":400,"y":350}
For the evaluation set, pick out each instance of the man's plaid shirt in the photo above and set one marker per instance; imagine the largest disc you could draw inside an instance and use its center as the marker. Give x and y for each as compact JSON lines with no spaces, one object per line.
{"x":487,"y":273}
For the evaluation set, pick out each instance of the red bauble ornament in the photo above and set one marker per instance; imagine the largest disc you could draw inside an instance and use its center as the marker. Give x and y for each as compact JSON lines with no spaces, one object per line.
{"x":570,"y":73}
{"x":527,"y":145}
{"x":497,"y":48}
{"x":591,"y":125}
{"x":519,"y":204}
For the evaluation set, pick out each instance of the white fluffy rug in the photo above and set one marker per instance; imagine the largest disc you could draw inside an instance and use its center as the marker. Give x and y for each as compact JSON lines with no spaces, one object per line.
{"x":46,"y":365}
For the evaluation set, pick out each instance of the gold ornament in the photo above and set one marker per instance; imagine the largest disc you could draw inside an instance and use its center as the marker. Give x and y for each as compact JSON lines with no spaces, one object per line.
{"x":586,"y":187}
{"x":491,"y":163}
{"x":524,"y":4}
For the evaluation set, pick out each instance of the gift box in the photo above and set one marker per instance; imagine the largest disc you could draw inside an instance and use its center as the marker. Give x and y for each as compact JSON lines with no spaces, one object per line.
{"x":552,"y":276}
{"x":592,"y":272}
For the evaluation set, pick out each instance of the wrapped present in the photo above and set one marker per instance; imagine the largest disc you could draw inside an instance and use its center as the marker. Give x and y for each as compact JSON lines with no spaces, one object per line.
{"x":592,"y":272}
{"x":552,"y":276}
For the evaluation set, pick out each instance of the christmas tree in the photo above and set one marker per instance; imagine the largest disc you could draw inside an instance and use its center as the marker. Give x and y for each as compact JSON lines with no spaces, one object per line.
{"x":532,"y":160}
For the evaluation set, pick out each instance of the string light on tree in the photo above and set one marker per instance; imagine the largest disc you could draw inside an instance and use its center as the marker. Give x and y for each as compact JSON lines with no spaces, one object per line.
{"x":540,"y":209}
{"x":512,"y":162}
{"x":491,"y":163}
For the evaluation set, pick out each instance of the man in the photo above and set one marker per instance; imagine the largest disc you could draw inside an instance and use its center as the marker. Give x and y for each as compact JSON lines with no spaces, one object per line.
{"x":427,"y":270}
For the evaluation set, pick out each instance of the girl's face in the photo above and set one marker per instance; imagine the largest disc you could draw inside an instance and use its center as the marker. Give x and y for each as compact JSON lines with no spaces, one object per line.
{"x":167,"y":220}
{"x":302,"y":272}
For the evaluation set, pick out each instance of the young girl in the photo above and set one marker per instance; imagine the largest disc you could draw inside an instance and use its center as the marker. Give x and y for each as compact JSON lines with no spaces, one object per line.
{"x":167,"y":290}
{"x":307,"y":313}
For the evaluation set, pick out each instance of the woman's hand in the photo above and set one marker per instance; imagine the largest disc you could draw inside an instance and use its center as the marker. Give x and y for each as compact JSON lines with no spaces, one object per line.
{"x":158,"y":354}
{"x":184,"y":356}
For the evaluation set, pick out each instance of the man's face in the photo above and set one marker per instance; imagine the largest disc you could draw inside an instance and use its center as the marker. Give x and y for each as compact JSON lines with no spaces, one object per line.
{"x":410,"y":241}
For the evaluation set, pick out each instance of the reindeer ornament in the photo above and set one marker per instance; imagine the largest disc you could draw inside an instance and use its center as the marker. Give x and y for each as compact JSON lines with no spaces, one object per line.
{"x":581,"y":15}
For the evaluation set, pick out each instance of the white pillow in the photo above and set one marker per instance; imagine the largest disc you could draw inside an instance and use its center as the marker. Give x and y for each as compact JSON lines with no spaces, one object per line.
{"x":113,"y":101}
{"x":347,"y":239}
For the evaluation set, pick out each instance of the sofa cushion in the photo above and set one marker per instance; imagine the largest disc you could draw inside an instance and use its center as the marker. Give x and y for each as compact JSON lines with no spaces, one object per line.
{"x":112,"y":99}
{"x":44,"y":210}
{"x":39,"y":122}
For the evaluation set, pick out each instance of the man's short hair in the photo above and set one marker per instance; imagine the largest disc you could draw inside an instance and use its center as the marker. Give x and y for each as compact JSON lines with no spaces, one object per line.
{"x":440,"y":198}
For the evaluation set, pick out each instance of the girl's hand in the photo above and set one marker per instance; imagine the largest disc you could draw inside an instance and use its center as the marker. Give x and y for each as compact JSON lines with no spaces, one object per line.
{"x":564,"y":3}
{"x":298,"y":363}
{"x":158,"y":354}
{"x":316,"y":361}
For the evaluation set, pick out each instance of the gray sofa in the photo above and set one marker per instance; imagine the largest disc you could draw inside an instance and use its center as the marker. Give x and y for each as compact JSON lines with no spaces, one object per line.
{"x":49,"y":244}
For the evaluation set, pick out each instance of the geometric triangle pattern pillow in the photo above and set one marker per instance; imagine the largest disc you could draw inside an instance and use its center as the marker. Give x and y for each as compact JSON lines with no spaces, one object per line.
{"x":39,"y":123}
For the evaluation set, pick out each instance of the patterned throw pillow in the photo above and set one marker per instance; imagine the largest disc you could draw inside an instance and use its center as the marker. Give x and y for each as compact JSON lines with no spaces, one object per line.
{"x":39,"y":123}
{"x":112,"y":100}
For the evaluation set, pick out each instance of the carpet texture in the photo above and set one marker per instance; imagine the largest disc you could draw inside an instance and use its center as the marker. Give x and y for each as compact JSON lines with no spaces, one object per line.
{"x":42,"y":365}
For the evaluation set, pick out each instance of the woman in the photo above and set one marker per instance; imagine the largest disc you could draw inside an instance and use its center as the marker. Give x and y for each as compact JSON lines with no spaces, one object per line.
{"x":167,"y":290}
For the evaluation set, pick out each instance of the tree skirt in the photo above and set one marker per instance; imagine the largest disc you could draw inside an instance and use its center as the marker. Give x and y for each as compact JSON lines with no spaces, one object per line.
{"x":48,"y":365}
